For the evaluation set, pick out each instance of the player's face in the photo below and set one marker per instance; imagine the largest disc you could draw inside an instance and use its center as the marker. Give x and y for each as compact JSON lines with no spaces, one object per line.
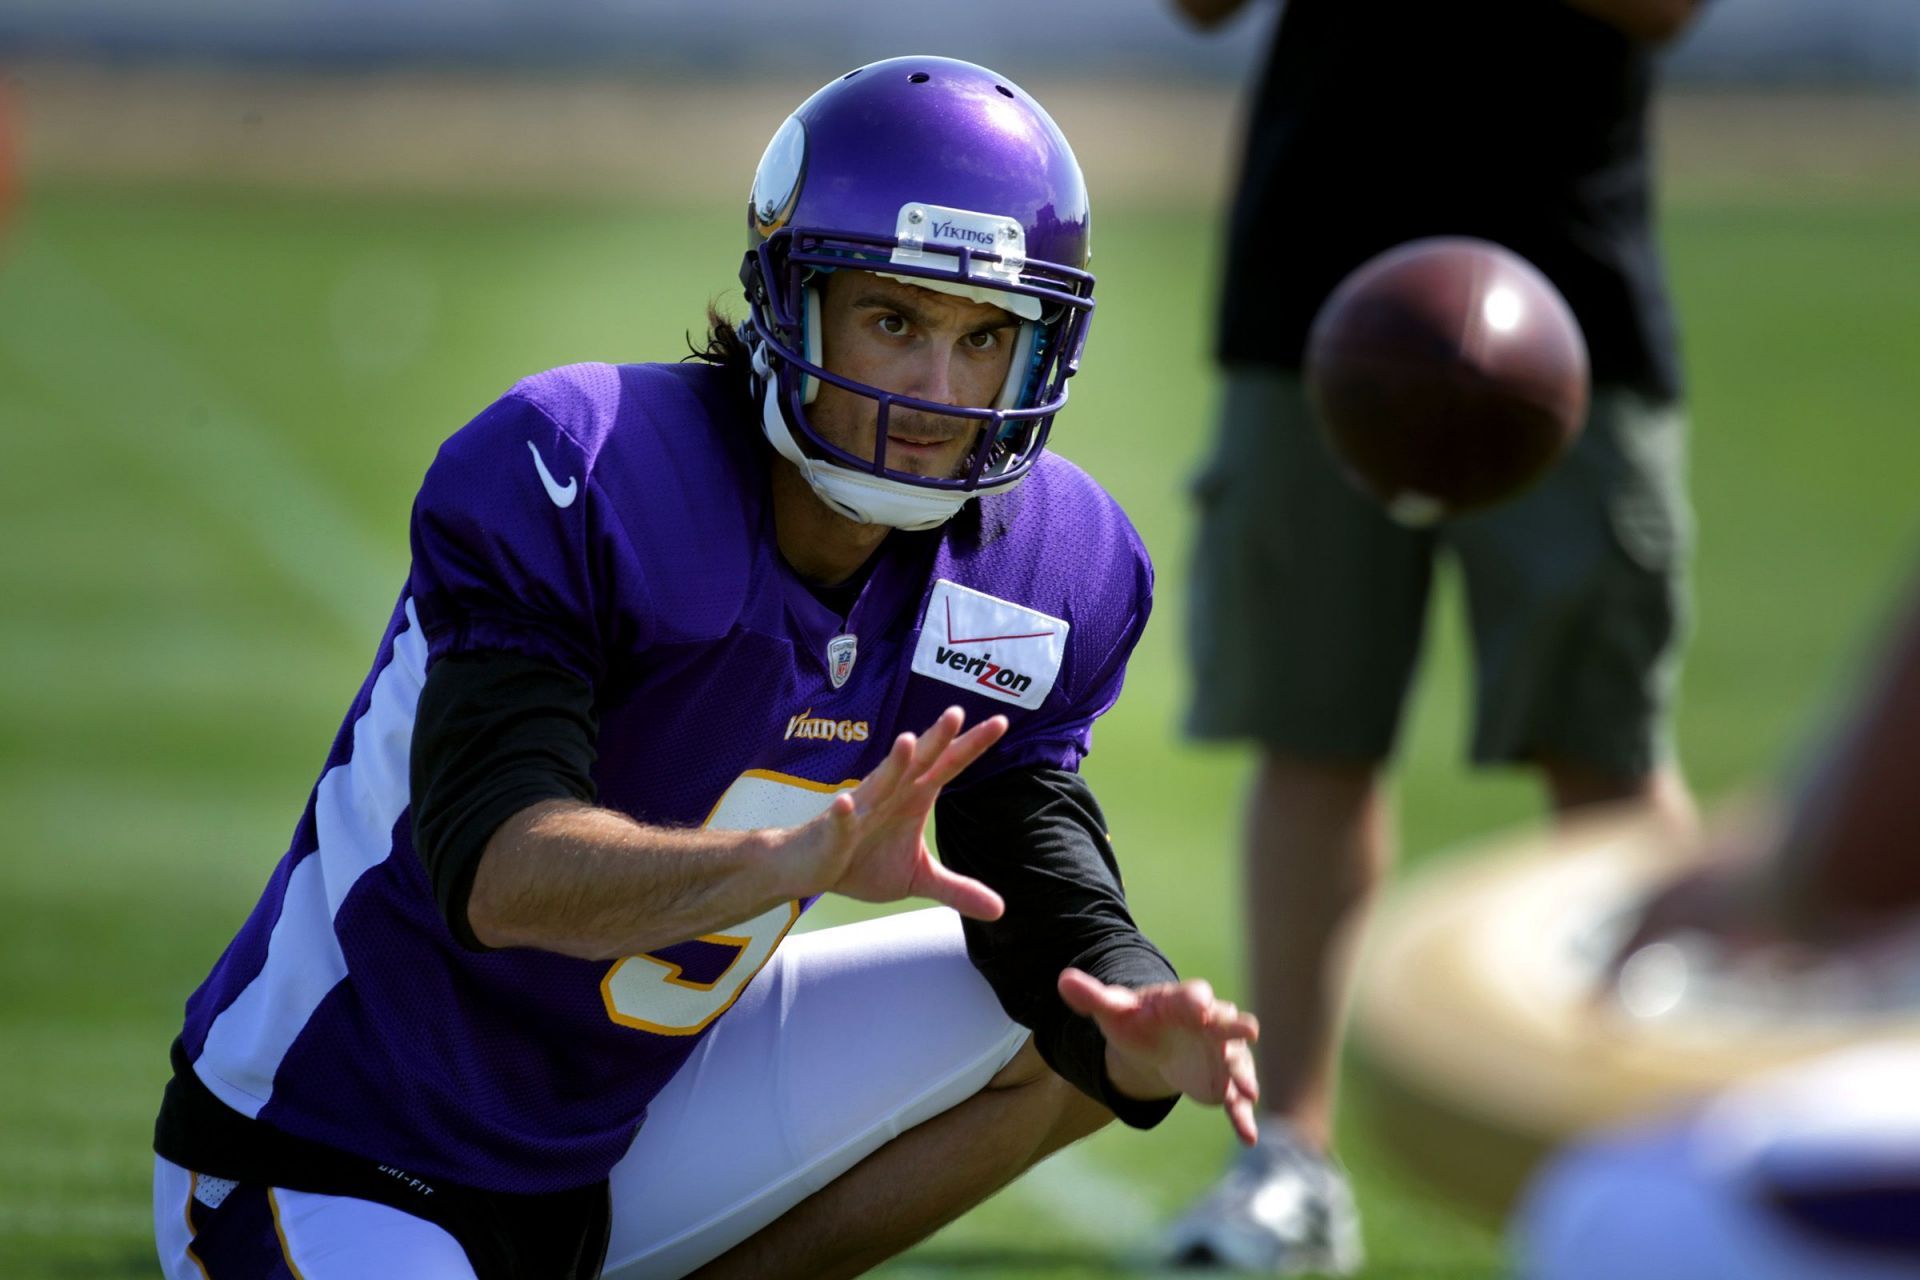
{"x":902,"y":338}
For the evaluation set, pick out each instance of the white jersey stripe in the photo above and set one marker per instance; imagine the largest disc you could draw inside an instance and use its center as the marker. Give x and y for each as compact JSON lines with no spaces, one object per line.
{"x":250,"y":1037}
{"x":359,"y":801}
{"x":355,"y":808}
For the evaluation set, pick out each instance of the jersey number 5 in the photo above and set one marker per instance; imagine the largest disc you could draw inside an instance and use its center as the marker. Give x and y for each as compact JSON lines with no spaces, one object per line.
{"x":678,"y":990}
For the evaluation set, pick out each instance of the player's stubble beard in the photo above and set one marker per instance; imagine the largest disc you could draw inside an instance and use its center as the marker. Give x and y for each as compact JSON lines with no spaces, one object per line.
{"x":828,"y":418}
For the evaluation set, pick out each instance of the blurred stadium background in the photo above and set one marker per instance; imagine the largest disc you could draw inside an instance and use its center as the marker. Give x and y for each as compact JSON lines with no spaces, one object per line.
{"x":259,"y":260}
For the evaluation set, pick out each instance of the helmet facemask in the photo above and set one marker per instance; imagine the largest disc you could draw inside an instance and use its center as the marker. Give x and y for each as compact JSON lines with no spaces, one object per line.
{"x":783,"y":277}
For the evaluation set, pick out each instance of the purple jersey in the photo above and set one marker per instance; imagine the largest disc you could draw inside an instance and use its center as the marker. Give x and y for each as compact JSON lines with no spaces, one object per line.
{"x":615,"y":520}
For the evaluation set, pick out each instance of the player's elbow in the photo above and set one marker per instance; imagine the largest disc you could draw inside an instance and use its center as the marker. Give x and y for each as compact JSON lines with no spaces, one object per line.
{"x":499,"y":913}
{"x":498,"y":917}
{"x":516,"y":897}
{"x":489,"y":918}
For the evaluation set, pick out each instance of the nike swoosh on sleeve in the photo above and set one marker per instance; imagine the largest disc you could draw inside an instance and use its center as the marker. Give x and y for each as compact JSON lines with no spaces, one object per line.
{"x":562,"y":494}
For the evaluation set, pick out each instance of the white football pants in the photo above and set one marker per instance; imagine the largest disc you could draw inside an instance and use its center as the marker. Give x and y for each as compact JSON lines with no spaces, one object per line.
{"x":848,"y":1037}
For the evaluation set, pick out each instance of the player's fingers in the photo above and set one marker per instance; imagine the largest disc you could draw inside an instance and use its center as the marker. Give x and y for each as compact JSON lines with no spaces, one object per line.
{"x":1241,"y":1076}
{"x":1087,"y":995}
{"x":882,"y":787}
{"x":1240,"y":1115}
{"x":1229,"y":1023}
{"x":964,"y":750}
{"x":963,"y":893}
{"x":1187,"y":1004}
{"x":1219,"y":1078}
{"x":879,"y":785}
{"x":1217,"y":1017}
{"x":936,"y":739}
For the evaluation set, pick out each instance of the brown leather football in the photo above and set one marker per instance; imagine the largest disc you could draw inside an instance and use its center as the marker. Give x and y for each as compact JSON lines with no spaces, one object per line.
{"x":1447,"y":375}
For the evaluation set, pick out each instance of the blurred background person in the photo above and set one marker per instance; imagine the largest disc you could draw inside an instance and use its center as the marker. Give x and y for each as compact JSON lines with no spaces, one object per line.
{"x":1377,"y":122}
{"x":1812,"y":1169}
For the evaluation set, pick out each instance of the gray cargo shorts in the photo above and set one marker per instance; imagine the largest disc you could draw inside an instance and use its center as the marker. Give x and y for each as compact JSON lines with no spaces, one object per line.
{"x":1308,"y":604}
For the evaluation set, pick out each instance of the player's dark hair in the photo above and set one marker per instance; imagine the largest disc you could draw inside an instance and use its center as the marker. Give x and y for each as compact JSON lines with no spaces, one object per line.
{"x":726,"y":351}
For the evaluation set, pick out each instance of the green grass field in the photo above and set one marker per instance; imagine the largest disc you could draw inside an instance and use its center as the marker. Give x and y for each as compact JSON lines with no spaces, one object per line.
{"x":203,"y":507}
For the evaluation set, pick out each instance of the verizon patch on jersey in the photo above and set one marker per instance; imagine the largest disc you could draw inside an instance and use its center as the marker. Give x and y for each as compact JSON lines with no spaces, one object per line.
{"x":984,"y":644}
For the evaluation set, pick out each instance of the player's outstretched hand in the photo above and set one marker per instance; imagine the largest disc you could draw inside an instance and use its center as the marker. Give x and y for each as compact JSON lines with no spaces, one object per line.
{"x":1174,"y":1038}
{"x":871,"y":843}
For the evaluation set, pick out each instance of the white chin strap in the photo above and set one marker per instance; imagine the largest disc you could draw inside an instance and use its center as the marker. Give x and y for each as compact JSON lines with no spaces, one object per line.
{"x":859,"y":495}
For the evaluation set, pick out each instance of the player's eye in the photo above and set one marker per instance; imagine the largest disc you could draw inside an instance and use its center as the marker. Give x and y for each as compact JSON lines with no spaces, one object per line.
{"x":892,"y":325}
{"x":983,"y":340}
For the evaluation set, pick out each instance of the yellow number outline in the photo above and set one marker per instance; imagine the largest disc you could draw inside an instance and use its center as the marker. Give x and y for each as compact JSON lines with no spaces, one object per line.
{"x":742,"y":936}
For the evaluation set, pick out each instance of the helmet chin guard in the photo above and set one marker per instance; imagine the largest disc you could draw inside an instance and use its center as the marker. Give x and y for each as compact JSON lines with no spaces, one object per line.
{"x":861,"y":496}
{"x":939,"y":174}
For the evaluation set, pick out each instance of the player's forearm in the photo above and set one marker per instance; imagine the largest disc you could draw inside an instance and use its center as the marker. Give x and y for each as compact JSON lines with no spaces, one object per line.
{"x":1653,"y":21}
{"x":1038,"y":836}
{"x":588,"y":882}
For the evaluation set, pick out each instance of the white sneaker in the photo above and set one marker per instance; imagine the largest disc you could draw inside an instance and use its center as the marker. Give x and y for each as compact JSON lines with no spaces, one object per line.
{"x":1281,"y":1209}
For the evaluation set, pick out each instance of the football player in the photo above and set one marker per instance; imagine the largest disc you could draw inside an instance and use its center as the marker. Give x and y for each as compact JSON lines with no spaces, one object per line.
{"x":1811,"y":1169}
{"x":682,"y":648}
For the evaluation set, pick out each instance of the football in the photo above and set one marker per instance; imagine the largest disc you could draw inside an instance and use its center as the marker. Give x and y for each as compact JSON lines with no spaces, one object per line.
{"x":1447,"y":375}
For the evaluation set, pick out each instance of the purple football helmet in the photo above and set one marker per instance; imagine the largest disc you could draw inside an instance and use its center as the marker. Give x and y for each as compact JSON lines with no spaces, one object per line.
{"x":947,"y":176}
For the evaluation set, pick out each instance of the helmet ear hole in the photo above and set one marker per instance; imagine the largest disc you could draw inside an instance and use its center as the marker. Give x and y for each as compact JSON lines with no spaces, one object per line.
{"x":810,"y":341}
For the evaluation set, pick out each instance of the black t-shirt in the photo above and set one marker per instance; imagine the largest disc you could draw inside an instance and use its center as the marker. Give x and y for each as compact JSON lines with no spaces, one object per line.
{"x":1381,"y":121}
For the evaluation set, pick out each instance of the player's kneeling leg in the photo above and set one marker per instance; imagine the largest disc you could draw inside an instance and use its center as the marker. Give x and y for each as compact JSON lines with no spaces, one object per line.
{"x":1042,"y":1105}
{"x":865,"y":1089}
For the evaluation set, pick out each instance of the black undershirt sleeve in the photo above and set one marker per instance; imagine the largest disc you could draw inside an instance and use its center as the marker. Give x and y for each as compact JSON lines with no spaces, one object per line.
{"x":494,"y":733}
{"x":1037,"y":836}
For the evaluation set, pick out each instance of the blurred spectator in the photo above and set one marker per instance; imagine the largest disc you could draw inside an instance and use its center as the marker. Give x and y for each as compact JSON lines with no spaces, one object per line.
{"x":1378,"y":122}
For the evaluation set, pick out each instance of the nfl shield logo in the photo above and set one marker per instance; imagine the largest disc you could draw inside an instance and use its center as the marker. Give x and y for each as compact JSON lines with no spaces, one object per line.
{"x":840,"y":654}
